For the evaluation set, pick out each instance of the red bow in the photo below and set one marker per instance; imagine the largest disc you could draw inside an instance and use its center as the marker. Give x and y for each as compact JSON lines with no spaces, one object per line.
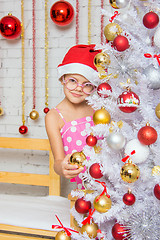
{"x":148,"y":55}
{"x":128,"y":156}
{"x":88,"y":219}
{"x":115,"y":15}
{"x":104,"y":191}
{"x":67,"y":230}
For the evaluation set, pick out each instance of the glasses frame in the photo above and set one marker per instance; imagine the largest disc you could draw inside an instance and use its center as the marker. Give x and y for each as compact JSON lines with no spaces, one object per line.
{"x":78,"y":84}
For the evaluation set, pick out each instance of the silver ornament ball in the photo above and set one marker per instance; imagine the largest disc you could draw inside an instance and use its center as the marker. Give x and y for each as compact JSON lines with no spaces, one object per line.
{"x":116,"y":141}
{"x":153,"y":77}
{"x":122,"y":3}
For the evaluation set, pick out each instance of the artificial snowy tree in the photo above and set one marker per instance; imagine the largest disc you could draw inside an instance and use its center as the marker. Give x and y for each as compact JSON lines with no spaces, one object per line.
{"x":123,"y":170}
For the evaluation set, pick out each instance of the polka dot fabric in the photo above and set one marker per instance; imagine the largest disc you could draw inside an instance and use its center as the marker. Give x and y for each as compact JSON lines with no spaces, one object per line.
{"x":74,"y":138}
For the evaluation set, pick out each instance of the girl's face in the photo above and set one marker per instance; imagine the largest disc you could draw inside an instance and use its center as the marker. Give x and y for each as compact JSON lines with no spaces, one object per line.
{"x":76,"y":87}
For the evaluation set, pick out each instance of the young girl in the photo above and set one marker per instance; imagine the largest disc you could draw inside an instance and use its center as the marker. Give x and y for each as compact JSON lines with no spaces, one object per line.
{"x":66,"y":123}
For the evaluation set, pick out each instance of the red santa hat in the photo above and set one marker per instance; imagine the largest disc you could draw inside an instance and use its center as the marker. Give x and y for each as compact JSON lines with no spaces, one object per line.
{"x":79,"y":60}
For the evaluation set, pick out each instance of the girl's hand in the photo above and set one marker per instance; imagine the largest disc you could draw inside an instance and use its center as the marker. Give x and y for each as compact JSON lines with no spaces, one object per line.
{"x":69,"y":170}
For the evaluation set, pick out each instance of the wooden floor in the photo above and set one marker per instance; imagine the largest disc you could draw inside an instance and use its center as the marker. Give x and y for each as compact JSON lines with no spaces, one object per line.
{"x":17,"y":236}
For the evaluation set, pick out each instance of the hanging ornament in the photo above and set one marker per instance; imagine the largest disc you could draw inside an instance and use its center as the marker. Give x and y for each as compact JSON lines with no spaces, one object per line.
{"x":130,"y":172}
{"x":156,"y":38}
{"x":102,"y":203}
{"x":101,"y":116}
{"x":141,"y":150}
{"x":119,"y":232}
{"x":95,"y":171}
{"x":82,"y":206}
{"x":121,"y":43}
{"x":77,"y":158}
{"x":147,"y":135}
{"x":46,"y":109}
{"x":157,"y":110}
{"x":1,"y":111}
{"x":128,"y":101}
{"x":111,"y":31}
{"x":116,"y":140}
{"x":90,"y":229}
{"x":150,"y":20}
{"x":153,"y":77}
{"x":156,"y":171}
{"x":104,"y":90}
{"x":23,"y":129}
{"x":113,"y":4}
{"x":157,"y":191}
{"x":62,"y":13}
{"x":62,"y":236}
{"x":65,"y":233}
{"x":10,"y":27}
{"x":34,"y":115}
{"x":91,"y":140}
{"x":129,"y":198}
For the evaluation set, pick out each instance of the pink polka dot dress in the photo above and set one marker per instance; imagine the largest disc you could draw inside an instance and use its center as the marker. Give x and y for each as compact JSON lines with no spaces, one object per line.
{"x":74,"y":138}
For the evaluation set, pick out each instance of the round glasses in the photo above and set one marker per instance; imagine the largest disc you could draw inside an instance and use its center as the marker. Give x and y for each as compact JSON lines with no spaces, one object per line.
{"x":72,"y":83}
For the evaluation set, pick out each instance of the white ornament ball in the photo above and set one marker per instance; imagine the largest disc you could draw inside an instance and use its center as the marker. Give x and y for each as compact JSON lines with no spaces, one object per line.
{"x":141,"y":151}
{"x":116,"y":140}
{"x":153,"y":77}
{"x":157,"y":38}
{"x":122,"y":3}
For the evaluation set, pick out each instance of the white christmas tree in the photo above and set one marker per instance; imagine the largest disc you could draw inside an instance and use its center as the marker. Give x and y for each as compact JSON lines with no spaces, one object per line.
{"x":124,"y":145}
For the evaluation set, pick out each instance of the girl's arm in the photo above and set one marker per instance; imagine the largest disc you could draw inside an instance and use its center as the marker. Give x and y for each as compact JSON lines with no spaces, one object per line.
{"x":61,"y":162}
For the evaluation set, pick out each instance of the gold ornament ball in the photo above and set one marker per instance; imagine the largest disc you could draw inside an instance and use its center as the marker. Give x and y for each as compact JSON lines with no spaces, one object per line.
{"x":77,"y":158}
{"x":1,"y":111}
{"x":101,"y":116}
{"x":103,"y":204}
{"x":113,"y":4}
{"x":130,"y":172}
{"x":34,"y":115}
{"x":102,"y":60}
{"x":90,"y":229}
{"x":111,"y":31}
{"x":62,"y":236}
{"x":157,"y":111}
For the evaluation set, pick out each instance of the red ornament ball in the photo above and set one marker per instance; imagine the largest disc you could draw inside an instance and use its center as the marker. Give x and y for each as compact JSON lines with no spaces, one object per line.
{"x":120,"y":43}
{"x":95,"y":171}
{"x":46,"y":110}
{"x":150,"y":20}
{"x":118,"y":232}
{"x":10,"y":27}
{"x":147,"y":135}
{"x":62,"y":13}
{"x":91,"y":140}
{"x":128,"y":102}
{"x":104,"y":90}
{"x":23,"y":129}
{"x":129,"y":199}
{"x":157,"y":191}
{"x":82,"y":206}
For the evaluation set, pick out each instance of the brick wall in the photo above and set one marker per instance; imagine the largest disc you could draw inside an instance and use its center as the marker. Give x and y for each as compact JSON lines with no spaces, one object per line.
{"x":60,"y":40}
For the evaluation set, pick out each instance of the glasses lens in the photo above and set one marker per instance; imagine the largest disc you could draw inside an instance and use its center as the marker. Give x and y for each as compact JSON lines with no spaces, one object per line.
{"x":71,"y":84}
{"x":88,"y":88}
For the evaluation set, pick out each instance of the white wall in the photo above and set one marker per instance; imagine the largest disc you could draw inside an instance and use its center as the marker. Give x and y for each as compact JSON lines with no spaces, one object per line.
{"x":60,"y":40}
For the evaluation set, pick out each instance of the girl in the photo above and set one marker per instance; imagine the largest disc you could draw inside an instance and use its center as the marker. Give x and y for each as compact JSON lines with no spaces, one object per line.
{"x":65,"y":124}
